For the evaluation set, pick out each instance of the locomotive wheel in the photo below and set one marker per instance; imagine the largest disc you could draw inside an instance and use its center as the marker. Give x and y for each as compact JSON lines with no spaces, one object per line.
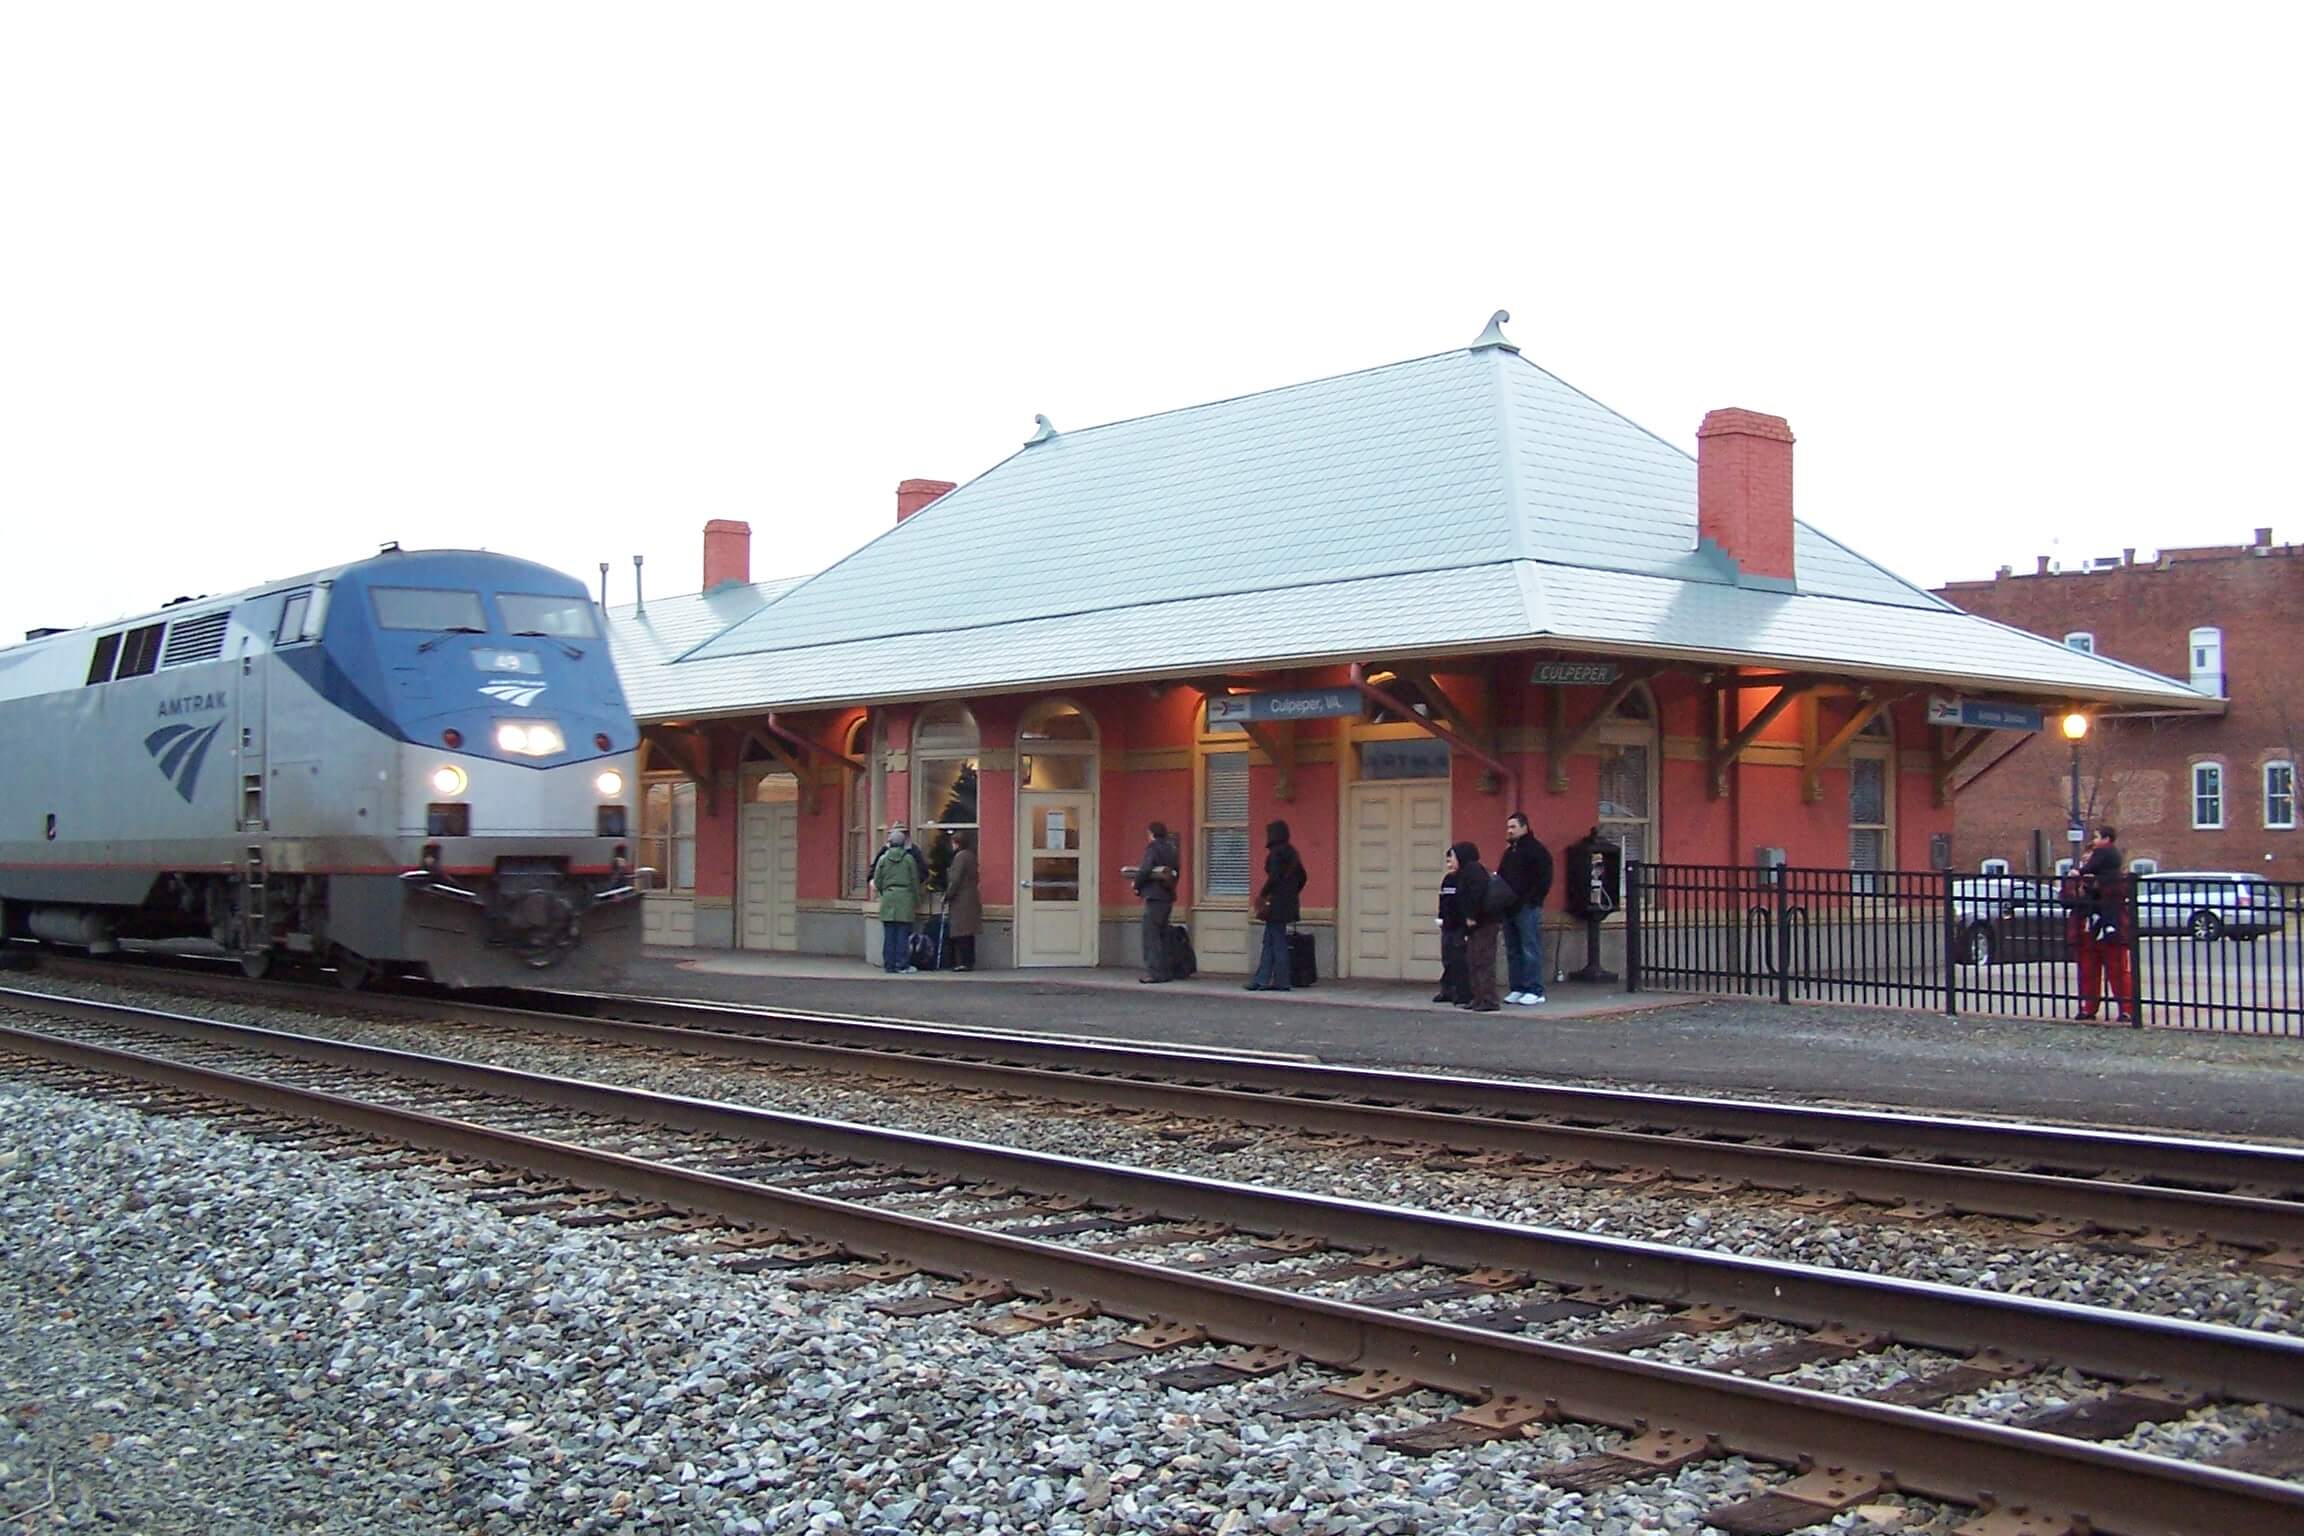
{"x":353,"y":972}
{"x":255,"y":964}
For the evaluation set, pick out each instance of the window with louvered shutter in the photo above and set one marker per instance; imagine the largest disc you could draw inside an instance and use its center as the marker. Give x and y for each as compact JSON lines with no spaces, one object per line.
{"x":1225,"y":869}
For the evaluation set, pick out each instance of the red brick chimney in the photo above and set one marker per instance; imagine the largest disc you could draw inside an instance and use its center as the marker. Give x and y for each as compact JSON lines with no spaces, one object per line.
{"x":912,"y":495}
{"x":1744,"y":490}
{"x":727,"y":553}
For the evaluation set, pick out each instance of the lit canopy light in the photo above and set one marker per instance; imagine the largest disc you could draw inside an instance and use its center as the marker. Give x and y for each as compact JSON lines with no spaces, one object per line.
{"x":610,"y":784}
{"x":448,"y":781}
{"x":2075,"y":726}
{"x":529,"y":738}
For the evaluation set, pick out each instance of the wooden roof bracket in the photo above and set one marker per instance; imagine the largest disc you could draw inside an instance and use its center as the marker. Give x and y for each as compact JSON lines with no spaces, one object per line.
{"x":1276,"y":739}
{"x":1499,"y":772}
{"x":1945,"y":759}
{"x":1816,"y":759}
{"x":691,"y":754}
{"x":781,"y":750}
{"x":1726,"y":753}
{"x":1560,"y":745}
{"x":799,"y":742}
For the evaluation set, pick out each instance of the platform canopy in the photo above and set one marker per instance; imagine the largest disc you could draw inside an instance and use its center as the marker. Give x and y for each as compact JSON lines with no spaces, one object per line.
{"x":1461,"y":503}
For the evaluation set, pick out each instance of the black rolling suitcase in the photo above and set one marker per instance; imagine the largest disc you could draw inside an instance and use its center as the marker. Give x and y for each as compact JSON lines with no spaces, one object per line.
{"x":1182,"y":962}
{"x":1303,"y":963}
{"x":922,"y":951}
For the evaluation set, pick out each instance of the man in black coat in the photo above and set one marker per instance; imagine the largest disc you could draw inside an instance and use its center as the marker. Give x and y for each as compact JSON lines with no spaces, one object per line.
{"x":1278,"y":904}
{"x":1527,"y":868}
{"x":1156,"y":877}
{"x":2103,"y":929}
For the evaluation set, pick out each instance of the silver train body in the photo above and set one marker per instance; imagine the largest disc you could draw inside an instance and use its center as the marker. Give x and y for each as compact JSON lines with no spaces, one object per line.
{"x":420,"y":763}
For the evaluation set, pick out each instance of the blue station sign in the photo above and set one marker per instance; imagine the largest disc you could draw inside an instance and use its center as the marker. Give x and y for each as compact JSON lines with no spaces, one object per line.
{"x":1982,"y":714}
{"x":1294,"y":704}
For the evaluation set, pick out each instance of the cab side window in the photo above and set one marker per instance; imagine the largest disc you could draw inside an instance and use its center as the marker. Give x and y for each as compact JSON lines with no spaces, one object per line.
{"x":100,"y":664}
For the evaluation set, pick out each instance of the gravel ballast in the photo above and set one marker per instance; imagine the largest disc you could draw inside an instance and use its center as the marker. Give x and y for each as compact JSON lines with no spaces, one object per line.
{"x":206,"y":1332}
{"x":2201,"y":1286}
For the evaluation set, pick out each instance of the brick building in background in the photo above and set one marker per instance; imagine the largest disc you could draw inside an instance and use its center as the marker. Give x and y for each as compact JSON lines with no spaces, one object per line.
{"x":2189,"y":791}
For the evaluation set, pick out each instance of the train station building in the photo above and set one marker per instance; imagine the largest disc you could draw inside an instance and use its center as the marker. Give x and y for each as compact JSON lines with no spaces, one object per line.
{"x":1389,"y":608}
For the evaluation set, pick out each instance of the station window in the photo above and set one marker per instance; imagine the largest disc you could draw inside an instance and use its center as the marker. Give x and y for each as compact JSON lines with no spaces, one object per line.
{"x":1629,"y":751}
{"x":1226,"y":851}
{"x":1403,"y":757}
{"x":668,"y":832}
{"x":2280,"y":796}
{"x":856,"y":837}
{"x":944,"y":743}
{"x":2082,"y":641}
{"x":1871,"y":799}
{"x":2207,"y":795}
{"x":1056,"y":748}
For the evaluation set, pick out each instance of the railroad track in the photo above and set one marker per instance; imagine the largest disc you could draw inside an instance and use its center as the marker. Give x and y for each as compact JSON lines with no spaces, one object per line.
{"x":2066,"y":1184}
{"x":1526,"y":1325}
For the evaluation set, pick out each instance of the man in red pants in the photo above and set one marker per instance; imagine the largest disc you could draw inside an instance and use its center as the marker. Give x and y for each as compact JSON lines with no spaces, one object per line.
{"x":2103,"y":929}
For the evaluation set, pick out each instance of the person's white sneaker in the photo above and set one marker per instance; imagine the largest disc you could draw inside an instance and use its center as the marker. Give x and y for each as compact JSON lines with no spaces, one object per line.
{"x":1513,"y":997}
{"x":1530,"y":999}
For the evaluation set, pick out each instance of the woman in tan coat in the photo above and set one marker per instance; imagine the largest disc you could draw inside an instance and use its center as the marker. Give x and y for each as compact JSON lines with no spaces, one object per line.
{"x":963,"y":902}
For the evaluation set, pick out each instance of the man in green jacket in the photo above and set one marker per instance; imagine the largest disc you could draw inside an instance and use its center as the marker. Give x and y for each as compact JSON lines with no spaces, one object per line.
{"x":899,"y":875}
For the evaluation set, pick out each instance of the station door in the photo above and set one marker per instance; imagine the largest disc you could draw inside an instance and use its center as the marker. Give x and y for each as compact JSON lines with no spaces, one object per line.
{"x":770,"y":875}
{"x":1056,"y":910}
{"x":1398,"y":845}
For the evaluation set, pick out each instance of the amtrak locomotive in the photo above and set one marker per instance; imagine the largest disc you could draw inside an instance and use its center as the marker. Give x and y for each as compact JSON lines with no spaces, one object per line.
{"x":421,"y":763}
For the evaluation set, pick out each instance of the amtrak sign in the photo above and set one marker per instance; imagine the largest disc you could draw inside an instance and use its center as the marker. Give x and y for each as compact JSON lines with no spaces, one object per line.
{"x":1296,"y":704}
{"x":1982,"y":714}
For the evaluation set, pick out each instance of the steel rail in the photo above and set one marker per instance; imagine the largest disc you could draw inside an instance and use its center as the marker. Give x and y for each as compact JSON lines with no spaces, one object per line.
{"x":2086,"y":1486}
{"x":2228,"y":1362}
{"x":1486,"y":1115}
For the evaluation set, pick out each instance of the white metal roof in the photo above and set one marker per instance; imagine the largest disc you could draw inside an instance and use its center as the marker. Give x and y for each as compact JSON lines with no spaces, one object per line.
{"x":1469,"y":499}
{"x":647,"y":639}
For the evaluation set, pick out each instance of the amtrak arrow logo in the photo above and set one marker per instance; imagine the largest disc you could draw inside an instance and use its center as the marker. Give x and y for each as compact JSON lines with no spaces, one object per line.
{"x":518,"y":695}
{"x":179,"y":750}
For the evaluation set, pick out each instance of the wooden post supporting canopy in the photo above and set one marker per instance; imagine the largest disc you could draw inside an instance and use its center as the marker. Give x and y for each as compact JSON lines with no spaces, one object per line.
{"x":1726,"y":753}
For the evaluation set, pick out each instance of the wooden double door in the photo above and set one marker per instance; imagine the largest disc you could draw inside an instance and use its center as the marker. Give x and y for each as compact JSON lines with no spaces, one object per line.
{"x":1397,"y":845}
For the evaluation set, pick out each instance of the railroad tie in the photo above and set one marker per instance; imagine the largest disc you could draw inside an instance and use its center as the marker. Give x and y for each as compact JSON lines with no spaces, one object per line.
{"x":2015,"y":1520}
{"x":2279,"y":1454}
{"x":1649,"y":1455}
{"x":2107,"y":1418}
{"x":1822,"y":1347}
{"x":1152,"y":1339}
{"x":1477,"y":1282}
{"x":1341,"y":1397}
{"x":954,"y":1298}
{"x":1233,"y":1365}
{"x":1502,"y":1417}
{"x":1641,"y":1335}
{"x":1809,"y":1499}
{"x":1589,"y":1302}
{"x":858,"y":1278}
{"x":1973,"y":1374}
{"x":1047,"y":1314}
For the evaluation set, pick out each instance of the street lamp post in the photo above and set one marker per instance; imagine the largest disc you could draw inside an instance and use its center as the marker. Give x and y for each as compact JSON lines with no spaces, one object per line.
{"x":2075,"y":731}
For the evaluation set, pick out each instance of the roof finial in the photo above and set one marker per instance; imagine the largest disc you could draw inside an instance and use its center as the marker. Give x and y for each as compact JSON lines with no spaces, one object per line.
{"x":1494,"y":336}
{"x":1046,"y":430}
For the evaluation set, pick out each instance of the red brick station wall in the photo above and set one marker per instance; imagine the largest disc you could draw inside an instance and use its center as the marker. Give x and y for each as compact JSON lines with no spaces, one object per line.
{"x":1148,"y":743}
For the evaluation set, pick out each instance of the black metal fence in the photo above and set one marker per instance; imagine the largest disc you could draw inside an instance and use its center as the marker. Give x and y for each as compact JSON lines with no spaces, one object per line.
{"x":2191,"y":951}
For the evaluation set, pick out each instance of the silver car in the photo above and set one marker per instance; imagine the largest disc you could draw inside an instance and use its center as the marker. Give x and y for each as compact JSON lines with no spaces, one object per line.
{"x":2208,"y":904}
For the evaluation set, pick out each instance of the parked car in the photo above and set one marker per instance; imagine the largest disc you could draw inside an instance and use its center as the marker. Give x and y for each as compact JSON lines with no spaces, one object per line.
{"x":2208,"y":904}
{"x":2008,"y":920}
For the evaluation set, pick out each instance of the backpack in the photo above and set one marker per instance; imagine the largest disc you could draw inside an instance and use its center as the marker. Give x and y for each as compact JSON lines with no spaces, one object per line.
{"x":1499,"y":899}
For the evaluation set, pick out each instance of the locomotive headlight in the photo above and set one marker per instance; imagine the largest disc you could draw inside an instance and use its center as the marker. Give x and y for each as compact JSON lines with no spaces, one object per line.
{"x":530,"y":738}
{"x":448,"y":781}
{"x":610,"y":784}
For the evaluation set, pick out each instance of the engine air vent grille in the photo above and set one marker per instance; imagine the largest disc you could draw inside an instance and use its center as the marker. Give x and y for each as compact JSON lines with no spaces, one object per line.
{"x":196,"y":639}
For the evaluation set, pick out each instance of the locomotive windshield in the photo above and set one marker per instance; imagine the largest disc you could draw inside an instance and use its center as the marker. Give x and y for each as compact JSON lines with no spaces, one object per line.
{"x":428,"y":608}
{"x":528,"y":614}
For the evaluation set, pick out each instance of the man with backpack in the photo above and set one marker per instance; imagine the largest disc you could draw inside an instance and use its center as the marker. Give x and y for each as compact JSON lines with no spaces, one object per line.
{"x":1485,"y":903}
{"x":899,"y":875}
{"x":1526,"y":867}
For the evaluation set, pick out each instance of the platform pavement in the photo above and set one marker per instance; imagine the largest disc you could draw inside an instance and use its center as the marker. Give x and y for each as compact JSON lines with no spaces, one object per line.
{"x":2161,"y":1079}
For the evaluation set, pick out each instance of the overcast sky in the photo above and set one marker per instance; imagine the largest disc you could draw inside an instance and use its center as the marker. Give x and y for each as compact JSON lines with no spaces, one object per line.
{"x":283,"y":283}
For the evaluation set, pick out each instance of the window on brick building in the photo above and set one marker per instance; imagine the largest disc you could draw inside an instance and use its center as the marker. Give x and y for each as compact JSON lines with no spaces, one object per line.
{"x":2207,"y":795}
{"x":857,"y":834}
{"x":2208,"y":660}
{"x":2082,"y":641}
{"x":2280,"y":795}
